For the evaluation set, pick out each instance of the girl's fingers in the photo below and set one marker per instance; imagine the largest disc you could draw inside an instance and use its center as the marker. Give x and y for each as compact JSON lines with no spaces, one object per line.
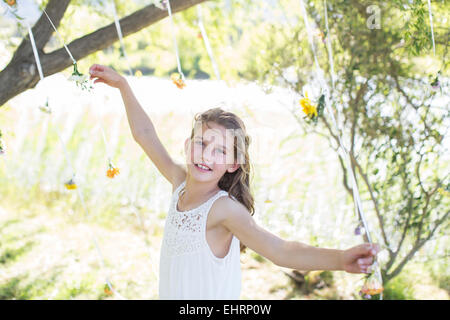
{"x":363,"y":261}
{"x":98,"y":67}
{"x":99,"y":81}
{"x":96,"y":73}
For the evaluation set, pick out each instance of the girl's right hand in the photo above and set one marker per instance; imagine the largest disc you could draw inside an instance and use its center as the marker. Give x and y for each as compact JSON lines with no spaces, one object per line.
{"x":106,"y":75}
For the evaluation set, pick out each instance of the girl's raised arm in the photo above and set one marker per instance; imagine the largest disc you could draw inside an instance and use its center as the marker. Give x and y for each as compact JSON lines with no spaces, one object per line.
{"x":141,"y":126}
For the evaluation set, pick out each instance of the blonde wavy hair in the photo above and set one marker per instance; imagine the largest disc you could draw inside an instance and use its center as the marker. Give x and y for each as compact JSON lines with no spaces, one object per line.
{"x":236,"y":183}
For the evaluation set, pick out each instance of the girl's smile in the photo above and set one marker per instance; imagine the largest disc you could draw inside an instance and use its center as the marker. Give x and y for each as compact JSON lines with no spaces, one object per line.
{"x":202,"y":167}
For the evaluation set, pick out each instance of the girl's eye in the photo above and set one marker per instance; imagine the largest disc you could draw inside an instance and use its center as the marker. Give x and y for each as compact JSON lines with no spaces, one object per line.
{"x":199,"y":142}
{"x":220,"y":150}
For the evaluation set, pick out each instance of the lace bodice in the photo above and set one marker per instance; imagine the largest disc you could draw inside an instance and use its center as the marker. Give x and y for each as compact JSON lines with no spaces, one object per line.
{"x":185,"y":230}
{"x":188,"y":268}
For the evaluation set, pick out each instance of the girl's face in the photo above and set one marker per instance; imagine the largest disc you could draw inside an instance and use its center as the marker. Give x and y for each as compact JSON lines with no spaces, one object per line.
{"x":210,"y":153}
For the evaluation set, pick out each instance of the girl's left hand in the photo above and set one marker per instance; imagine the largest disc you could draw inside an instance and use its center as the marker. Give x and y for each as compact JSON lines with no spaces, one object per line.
{"x":359,"y":258}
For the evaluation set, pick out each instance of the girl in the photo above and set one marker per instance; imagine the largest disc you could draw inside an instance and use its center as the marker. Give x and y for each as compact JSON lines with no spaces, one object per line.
{"x":209,"y":221}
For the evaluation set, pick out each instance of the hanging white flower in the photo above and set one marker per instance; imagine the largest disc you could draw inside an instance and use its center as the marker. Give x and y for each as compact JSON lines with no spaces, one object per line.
{"x":45,"y":108}
{"x":80,"y":79}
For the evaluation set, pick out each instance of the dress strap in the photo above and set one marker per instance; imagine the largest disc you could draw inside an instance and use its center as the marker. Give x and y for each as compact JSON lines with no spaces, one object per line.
{"x":177,"y":190}
{"x":211,"y":200}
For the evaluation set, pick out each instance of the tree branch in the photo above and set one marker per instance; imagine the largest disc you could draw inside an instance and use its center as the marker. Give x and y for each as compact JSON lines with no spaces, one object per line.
{"x":21,"y":73}
{"x":42,"y":30}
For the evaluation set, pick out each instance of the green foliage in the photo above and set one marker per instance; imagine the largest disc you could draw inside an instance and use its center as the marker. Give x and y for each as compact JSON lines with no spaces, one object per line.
{"x":399,"y":288}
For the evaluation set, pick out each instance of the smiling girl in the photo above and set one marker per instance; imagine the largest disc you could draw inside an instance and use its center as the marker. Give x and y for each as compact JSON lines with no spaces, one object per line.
{"x":209,"y":222}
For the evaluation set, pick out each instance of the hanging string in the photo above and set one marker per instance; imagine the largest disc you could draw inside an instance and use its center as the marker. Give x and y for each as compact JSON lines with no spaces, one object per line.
{"x":169,"y":9}
{"x":136,"y":213}
{"x":324,"y":85}
{"x":85,"y":210}
{"x":431,"y":25}
{"x":330,"y":52}
{"x":35,"y":52}
{"x":119,"y":33}
{"x":60,"y":37}
{"x":66,"y":154}
{"x":108,"y":154}
{"x":206,"y":40}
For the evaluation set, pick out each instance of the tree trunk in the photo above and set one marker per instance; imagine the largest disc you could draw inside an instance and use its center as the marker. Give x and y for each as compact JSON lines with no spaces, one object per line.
{"x":21,"y":73}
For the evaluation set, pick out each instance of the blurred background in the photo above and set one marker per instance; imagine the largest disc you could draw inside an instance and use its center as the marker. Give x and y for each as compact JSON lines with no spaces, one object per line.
{"x":392,"y":93}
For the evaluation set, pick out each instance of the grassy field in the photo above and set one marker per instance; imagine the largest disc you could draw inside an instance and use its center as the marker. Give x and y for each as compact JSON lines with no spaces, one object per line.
{"x":46,"y":236}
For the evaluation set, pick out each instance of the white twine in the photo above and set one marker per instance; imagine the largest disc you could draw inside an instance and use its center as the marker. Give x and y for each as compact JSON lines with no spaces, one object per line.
{"x":356,"y":195}
{"x":108,"y":154}
{"x":93,"y":238}
{"x":330,"y":51}
{"x":207,"y":44}
{"x":60,"y":37}
{"x":66,"y":154}
{"x":169,"y":9}
{"x":431,"y":25}
{"x":35,"y":52}
{"x":119,"y":33}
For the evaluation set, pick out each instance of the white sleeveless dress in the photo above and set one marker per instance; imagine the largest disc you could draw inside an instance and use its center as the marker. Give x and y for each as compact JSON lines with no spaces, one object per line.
{"x":188,"y":268}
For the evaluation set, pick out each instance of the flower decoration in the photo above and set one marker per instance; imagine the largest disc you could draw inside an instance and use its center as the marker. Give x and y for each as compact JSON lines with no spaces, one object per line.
{"x":45,"y":108}
{"x":312,"y":112}
{"x":138,"y":73}
{"x":112,"y":171}
{"x":371,"y":286}
{"x":358,"y":230}
{"x":162,"y":4}
{"x":178,"y":80}
{"x":308,"y":108}
{"x":81,"y":80}
{"x":122,"y":52}
{"x":107,"y":290}
{"x":322,"y":35}
{"x":199,"y":35}
{"x":13,"y":8}
{"x":436,"y":84}
{"x":71,"y":185}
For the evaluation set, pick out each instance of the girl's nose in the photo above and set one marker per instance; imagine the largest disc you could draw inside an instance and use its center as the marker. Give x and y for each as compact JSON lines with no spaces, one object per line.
{"x":207,"y":155}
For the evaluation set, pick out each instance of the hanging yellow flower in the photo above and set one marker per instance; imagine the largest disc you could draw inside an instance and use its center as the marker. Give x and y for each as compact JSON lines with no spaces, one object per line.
{"x":308,"y":108}
{"x":178,"y":80}
{"x":138,"y":73}
{"x":112,"y":171}
{"x":70,"y":185}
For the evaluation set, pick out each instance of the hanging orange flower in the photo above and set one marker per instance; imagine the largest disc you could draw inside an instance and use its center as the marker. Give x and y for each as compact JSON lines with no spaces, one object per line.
{"x":308,"y":108}
{"x":107,"y":290}
{"x":112,"y":171}
{"x":178,"y":80}
{"x":11,"y":2}
{"x":371,"y":286}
